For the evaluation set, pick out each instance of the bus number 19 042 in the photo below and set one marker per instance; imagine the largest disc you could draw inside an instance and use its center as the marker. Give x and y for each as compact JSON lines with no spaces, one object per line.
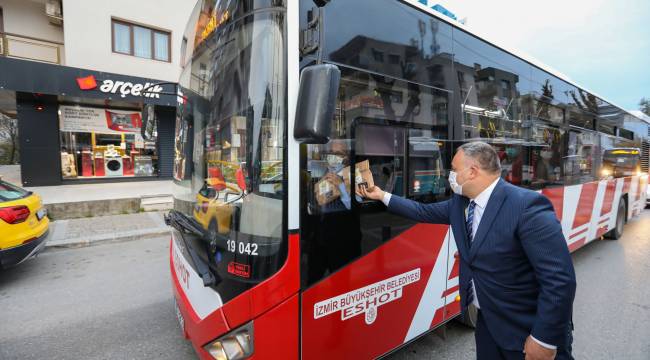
{"x":242,"y":248}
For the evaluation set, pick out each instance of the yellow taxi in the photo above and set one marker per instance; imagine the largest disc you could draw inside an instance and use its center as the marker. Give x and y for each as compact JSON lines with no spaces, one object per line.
{"x":213,"y":210}
{"x":23,"y":224}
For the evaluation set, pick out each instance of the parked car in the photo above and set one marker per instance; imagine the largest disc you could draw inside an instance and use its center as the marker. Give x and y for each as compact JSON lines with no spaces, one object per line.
{"x":23,"y":224}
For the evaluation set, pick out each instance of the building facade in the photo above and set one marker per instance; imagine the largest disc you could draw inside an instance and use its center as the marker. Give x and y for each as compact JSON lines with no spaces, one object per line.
{"x":90,"y":86}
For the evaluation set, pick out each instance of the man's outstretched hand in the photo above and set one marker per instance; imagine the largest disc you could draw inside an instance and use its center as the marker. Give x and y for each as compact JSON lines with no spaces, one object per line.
{"x":375,"y":194}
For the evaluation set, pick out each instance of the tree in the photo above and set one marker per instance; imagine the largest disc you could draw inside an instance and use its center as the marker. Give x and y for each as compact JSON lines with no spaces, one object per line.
{"x":644,"y":106}
{"x":9,"y":139}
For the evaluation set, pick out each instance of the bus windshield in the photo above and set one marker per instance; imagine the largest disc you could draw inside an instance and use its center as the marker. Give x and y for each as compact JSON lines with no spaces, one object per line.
{"x":230,"y":137}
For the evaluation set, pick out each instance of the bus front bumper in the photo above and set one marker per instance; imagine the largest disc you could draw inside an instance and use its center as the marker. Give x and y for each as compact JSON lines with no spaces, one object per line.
{"x":200,"y":331}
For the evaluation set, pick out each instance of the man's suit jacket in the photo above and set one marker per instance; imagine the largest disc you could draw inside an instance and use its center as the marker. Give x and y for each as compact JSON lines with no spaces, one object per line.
{"x":519,"y":260}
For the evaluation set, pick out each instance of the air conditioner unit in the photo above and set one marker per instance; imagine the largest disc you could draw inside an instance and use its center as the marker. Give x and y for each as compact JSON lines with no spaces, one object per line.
{"x":53,"y":12}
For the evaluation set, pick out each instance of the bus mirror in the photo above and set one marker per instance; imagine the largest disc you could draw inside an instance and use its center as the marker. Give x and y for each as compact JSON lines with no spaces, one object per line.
{"x":319,"y":86}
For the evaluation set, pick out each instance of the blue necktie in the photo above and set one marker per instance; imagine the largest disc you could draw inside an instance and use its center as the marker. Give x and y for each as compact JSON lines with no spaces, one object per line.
{"x":470,"y":219}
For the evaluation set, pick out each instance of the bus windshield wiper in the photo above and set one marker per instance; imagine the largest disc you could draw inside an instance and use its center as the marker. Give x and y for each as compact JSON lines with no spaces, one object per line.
{"x":187,"y":225}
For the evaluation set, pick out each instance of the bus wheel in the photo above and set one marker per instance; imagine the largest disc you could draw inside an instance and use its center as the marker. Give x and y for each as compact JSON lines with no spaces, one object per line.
{"x":471,"y":317}
{"x":617,"y":232}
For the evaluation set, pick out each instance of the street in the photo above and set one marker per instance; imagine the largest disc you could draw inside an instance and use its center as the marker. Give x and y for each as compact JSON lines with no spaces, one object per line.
{"x":110,"y":301}
{"x":114,"y":301}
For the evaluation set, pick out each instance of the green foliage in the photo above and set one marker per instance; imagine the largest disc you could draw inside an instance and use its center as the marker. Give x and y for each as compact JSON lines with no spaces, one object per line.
{"x":644,"y":106}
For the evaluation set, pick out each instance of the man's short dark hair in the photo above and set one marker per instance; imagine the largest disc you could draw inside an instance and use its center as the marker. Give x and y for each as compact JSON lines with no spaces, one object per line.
{"x":484,"y":154}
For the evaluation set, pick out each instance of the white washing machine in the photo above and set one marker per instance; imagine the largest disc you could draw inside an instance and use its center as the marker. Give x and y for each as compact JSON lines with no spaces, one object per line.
{"x":113,"y":166}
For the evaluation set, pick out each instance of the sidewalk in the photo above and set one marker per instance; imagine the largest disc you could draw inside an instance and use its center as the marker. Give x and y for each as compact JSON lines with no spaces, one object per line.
{"x":103,"y":191}
{"x":10,"y":174}
{"x":73,"y":201}
{"x":89,"y":200}
{"x":90,"y":231}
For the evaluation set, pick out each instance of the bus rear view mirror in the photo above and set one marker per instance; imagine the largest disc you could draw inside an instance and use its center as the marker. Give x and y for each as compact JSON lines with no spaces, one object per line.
{"x":319,"y":86}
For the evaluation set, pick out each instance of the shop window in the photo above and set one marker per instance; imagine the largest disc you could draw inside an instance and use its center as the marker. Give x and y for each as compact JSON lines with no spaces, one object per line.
{"x":140,"y":41}
{"x":106,"y":143}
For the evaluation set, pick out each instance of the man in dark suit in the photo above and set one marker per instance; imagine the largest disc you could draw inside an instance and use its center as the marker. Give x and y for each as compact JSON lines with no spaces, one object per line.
{"x":515,"y":266}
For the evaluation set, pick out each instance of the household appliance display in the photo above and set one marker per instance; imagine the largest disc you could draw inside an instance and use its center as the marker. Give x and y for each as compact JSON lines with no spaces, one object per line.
{"x":113,"y":166}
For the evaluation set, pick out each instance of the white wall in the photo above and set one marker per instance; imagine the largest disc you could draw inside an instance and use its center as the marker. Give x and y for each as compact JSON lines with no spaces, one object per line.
{"x":88,"y":34}
{"x":26,"y":17}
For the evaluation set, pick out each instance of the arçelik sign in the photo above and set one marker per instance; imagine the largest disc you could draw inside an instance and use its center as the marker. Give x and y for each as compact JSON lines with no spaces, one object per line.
{"x":123,"y":88}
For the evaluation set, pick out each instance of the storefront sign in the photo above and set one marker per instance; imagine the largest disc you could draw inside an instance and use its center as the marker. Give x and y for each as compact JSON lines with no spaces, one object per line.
{"x":103,"y":121}
{"x":65,"y":81}
{"x":123,"y":88}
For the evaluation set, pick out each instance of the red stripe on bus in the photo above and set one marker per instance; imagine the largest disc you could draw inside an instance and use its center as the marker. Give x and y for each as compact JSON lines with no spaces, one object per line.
{"x":578,"y":233}
{"x":576,"y":245}
{"x":438,"y":317}
{"x":450,"y":291}
{"x":608,"y":201}
{"x":626,"y":184}
{"x":585,"y":204}
{"x":451,"y":310}
{"x":454,"y":269}
{"x":601,"y":231}
{"x":556,"y":196}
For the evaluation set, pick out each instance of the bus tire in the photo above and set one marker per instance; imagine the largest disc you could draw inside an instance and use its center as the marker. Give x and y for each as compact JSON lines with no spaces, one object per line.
{"x":470,"y":317}
{"x":617,"y":232}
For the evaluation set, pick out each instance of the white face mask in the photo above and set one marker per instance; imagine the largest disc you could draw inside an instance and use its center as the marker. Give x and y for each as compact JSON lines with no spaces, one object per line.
{"x":455,"y":186}
{"x":334,"y":160}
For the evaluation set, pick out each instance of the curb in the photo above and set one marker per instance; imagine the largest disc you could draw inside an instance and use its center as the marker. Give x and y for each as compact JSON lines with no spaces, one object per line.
{"x":107,"y":238}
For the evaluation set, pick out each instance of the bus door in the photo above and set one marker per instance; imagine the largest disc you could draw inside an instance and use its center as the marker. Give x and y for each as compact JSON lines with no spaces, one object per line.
{"x":373,"y":280}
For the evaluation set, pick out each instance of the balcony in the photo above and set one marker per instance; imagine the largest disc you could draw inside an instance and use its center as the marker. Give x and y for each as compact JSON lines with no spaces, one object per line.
{"x":31,"y":48}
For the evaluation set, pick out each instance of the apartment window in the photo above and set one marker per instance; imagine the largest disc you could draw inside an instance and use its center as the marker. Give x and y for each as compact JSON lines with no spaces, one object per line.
{"x":140,"y":41}
{"x":378,"y":55}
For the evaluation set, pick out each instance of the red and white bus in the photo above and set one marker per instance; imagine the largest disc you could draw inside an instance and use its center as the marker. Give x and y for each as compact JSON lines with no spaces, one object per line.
{"x":272,"y":255}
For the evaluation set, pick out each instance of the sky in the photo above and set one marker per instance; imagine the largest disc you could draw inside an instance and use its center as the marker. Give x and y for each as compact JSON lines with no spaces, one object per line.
{"x":602,"y":45}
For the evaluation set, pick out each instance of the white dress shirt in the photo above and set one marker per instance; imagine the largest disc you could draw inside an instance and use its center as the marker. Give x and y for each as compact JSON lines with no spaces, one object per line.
{"x":481,"y":202}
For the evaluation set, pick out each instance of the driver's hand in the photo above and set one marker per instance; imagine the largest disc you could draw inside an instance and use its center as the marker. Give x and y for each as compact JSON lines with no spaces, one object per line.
{"x":374,"y":194}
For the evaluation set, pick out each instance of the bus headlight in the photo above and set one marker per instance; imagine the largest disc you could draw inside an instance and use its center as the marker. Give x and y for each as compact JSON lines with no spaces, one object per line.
{"x":236,"y":345}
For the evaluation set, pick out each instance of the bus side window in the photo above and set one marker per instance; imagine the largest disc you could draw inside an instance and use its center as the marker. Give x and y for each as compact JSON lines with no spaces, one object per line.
{"x":428,"y":167}
{"x":579,"y":158}
{"x":333,"y":229}
{"x":383,"y":147}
